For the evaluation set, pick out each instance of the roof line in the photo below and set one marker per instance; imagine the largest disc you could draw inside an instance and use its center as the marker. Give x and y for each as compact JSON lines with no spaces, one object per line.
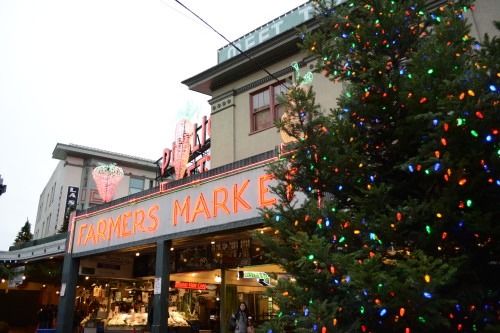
{"x":90,"y":149}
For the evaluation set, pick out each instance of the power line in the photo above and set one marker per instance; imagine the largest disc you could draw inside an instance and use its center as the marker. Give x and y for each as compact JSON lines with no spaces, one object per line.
{"x":232,"y":44}
{"x":180,"y":12}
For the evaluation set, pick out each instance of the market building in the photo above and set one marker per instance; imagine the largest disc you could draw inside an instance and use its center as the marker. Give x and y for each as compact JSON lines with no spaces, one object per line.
{"x":189,"y":250}
{"x":186,"y":253}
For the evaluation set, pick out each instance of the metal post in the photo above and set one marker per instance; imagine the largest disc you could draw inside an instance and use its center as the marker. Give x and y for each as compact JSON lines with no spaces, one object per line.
{"x":66,"y":308}
{"x":224,"y":312}
{"x":162,"y":283}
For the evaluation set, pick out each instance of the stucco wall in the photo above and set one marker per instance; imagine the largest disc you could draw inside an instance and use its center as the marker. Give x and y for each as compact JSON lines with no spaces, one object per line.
{"x":482,"y":18}
{"x":232,"y":138}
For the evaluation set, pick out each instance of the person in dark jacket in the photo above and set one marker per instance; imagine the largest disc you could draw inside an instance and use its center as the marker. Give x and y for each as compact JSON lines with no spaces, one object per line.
{"x":242,"y":319}
{"x":43,"y":317}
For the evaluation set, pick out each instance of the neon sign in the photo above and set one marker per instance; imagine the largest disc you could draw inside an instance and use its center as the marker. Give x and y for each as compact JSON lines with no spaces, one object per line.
{"x":301,"y":80}
{"x":190,"y":285}
{"x":189,"y":140}
{"x":223,"y":200}
{"x":126,"y":224}
{"x":229,"y":199}
{"x":107,"y":177}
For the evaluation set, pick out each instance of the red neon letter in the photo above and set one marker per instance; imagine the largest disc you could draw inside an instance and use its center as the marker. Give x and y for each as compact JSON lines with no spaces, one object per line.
{"x":221,"y":204}
{"x":201,"y":208}
{"x":101,"y":230}
{"x":152,"y":215}
{"x":184,"y":211}
{"x":263,"y":190}
{"x":138,"y":220}
{"x":165,"y":161}
{"x":90,"y":234}
{"x":126,"y":232}
{"x":115,"y":226}
{"x":80,"y":233}
{"x":237,"y":196}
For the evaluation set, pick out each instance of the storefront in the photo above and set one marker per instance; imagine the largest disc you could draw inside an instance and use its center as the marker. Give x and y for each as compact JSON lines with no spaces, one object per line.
{"x":182,"y":257}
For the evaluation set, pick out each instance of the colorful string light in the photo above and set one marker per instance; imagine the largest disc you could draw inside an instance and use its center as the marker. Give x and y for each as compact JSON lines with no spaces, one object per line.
{"x":450,"y":120}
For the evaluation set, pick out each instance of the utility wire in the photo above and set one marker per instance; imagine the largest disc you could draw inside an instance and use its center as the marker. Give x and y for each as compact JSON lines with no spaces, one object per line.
{"x":232,"y":44}
{"x":181,"y":12}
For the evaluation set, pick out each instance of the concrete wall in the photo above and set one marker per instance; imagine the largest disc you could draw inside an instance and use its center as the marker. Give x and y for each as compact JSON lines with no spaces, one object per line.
{"x":53,"y":198}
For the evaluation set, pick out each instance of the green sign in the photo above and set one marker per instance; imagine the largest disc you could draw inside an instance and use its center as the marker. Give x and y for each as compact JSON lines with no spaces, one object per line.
{"x":279,"y":25}
{"x":274,"y":28}
{"x":261,"y":277}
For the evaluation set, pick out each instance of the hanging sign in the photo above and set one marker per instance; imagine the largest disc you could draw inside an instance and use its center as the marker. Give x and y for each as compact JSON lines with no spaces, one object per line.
{"x":71,"y":198}
{"x":261,"y":277}
{"x":191,"y":285}
{"x":107,"y":177}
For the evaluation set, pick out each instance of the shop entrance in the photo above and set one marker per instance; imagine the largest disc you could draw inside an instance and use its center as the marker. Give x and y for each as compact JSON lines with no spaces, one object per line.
{"x":208,"y":278}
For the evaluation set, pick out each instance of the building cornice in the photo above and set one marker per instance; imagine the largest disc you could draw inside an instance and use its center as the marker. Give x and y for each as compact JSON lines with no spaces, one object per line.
{"x":62,"y":151}
{"x":253,"y":60}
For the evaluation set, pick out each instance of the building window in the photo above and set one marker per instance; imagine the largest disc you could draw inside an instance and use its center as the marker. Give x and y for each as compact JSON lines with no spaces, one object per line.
{"x":136,"y":185}
{"x":265,"y":106}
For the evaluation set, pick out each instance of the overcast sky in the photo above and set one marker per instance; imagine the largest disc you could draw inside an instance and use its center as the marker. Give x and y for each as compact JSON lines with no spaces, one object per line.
{"x":105,"y":74}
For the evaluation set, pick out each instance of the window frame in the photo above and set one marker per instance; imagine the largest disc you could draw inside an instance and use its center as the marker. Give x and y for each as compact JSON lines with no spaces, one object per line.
{"x":272,"y":106}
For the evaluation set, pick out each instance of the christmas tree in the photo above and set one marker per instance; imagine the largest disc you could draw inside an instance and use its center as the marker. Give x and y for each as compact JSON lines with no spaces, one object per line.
{"x":24,"y":235}
{"x":389,"y":203}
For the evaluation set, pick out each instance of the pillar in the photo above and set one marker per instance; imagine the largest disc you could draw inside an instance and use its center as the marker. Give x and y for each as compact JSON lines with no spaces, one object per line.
{"x":223,"y":302}
{"x":66,"y":308}
{"x":162,"y":283}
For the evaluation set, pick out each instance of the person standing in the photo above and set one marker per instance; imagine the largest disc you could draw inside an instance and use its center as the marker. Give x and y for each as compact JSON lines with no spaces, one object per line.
{"x":43,"y":317}
{"x":241,"y":319}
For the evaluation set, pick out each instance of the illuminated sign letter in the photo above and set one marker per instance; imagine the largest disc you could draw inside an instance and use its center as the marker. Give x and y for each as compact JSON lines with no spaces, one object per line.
{"x":80,"y":232}
{"x":237,"y":196}
{"x":184,"y":211}
{"x":263,"y":190}
{"x":201,"y":208}
{"x":165,"y":161}
{"x":126,"y":231}
{"x":101,"y":230}
{"x":221,"y":204}
{"x":139,"y":216}
{"x":115,"y":226}
{"x":154,"y":218}
{"x":90,"y":235}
